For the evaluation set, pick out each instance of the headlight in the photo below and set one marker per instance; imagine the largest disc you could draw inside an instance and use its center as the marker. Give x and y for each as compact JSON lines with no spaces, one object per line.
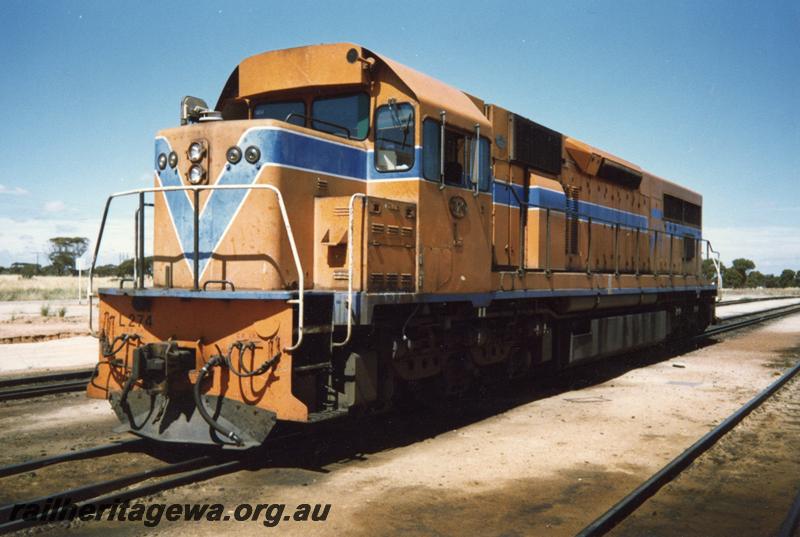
{"x":234,"y":155}
{"x":162,"y":161}
{"x":173,"y":159}
{"x":196,"y":174}
{"x":252,"y":154}
{"x":196,"y":151}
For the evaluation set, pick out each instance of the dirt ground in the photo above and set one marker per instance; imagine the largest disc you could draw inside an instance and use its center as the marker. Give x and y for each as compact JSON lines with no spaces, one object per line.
{"x":23,"y":321}
{"x":543,"y":461}
{"x":60,"y":354}
{"x":744,"y":485}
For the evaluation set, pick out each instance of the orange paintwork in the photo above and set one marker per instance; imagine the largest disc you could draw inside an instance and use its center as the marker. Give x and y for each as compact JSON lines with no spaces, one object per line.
{"x":209,"y":327}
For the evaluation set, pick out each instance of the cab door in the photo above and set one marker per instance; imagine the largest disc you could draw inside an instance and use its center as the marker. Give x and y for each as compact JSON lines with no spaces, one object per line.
{"x":455,"y":217}
{"x":509,"y":190}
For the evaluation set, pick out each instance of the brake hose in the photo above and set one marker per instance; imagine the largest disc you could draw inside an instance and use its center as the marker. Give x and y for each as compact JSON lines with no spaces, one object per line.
{"x":215,"y":361}
{"x":244,"y":372}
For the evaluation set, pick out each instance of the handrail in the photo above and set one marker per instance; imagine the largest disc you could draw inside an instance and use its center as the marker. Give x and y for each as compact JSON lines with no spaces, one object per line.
{"x":196,"y":188}
{"x":595,"y":220}
{"x":350,"y":269}
{"x":522,"y":225}
{"x":715,"y":260}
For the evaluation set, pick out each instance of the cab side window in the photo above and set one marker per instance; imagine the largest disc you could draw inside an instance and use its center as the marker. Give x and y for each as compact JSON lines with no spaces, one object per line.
{"x":459,"y":156}
{"x":394,"y":137}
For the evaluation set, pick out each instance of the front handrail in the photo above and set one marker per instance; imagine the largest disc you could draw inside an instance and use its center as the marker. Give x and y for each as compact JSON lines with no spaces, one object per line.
{"x":350,"y":269}
{"x":196,"y":189}
{"x":716,"y":261}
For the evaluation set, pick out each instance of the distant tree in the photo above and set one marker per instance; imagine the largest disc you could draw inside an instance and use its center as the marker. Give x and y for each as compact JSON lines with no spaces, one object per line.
{"x":743,"y":267}
{"x":26,"y":270}
{"x":709,"y":271}
{"x":787,"y":278}
{"x":125,"y":269}
{"x":64,"y":251}
{"x":732,"y":278}
{"x":797,"y":279}
{"x":755,"y":279}
{"x":50,"y":270}
{"x":771,"y":281}
{"x":106,"y":270}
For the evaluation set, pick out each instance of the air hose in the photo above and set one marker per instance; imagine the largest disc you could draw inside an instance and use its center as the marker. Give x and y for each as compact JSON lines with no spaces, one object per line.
{"x":215,"y":361}
{"x":243,"y":371}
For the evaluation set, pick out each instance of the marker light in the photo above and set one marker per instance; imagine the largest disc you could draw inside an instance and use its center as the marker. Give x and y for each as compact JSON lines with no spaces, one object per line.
{"x":234,"y":155}
{"x":252,"y":154}
{"x":162,"y":161}
{"x":196,"y":151}
{"x":173,"y":159}
{"x":196,"y":174}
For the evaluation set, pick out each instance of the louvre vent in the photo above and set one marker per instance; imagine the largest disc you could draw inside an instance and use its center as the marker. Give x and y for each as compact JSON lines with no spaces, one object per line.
{"x":617,"y":173}
{"x":536,"y":146}
{"x":406,"y":282}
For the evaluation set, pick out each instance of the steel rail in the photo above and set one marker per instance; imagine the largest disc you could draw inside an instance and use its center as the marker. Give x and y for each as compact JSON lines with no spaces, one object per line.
{"x":791,"y":523}
{"x":625,"y":507}
{"x":51,"y":377}
{"x":762,"y":316}
{"x":36,"y":385}
{"x":96,"y":490}
{"x":97,"y":451}
{"x":748,"y":300}
{"x":47,"y":389}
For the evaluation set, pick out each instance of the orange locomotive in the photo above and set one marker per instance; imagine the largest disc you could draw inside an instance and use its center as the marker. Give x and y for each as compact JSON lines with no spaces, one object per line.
{"x":341,"y":231}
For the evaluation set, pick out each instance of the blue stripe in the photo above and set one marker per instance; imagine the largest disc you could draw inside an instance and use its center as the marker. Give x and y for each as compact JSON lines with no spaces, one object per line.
{"x":681,"y":230}
{"x":504,"y":193}
{"x":544,"y":198}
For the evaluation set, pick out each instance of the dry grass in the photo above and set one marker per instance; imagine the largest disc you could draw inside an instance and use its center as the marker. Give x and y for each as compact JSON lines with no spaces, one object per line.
{"x":13,"y":287}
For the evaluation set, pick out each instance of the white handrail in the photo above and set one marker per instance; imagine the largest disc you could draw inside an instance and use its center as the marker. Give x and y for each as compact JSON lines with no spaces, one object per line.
{"x":716,"y":261}
{"x":284,"y":214}
{"x":350,"y":269}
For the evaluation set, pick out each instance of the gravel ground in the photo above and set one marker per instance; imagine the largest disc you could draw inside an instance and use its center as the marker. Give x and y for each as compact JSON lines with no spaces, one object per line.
{"x":744,"y":485}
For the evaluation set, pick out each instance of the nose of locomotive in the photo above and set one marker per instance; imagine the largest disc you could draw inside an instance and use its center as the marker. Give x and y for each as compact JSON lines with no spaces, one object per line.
{"x":162,"y":408}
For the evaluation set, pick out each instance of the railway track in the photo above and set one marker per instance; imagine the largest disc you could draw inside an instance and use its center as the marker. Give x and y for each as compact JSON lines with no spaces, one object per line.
{"x":731,"y":323}
{"x":202,"y":464}
{"x":630,"y":503}
{"x":54,"y":505}
{"x":748,"y":300}
{"x":34,"y":386}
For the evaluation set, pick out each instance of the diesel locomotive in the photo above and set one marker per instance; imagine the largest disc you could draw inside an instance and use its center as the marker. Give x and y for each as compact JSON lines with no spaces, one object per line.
{"x":341,"y":232}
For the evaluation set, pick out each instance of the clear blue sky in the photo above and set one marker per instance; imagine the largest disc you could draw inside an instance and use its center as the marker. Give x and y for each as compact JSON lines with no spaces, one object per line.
{"x":704,"y":93}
